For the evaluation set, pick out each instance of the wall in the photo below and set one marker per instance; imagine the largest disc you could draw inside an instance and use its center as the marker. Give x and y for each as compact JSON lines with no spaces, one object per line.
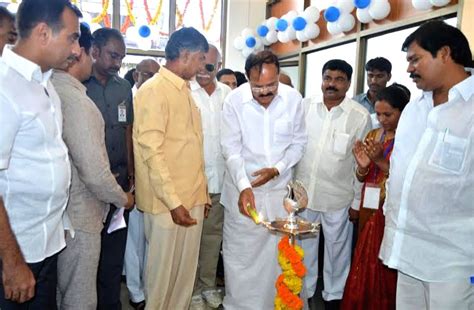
{"x":241,"y":14}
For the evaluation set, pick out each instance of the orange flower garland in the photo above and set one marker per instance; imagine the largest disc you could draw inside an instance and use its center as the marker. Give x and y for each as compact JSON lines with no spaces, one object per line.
{"x":289,"y":283}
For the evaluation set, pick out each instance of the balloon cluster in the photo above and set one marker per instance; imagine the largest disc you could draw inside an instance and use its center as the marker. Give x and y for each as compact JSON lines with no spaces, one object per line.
{"x":368,"y":10}
{"x":428,"y":4}
{"x":293,"y":25}
{"x":141,"y":34}
{"x":339,"y":18}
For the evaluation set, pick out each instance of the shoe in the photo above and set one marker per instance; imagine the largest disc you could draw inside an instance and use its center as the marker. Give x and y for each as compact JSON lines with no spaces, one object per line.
{"x":213,"y":298}
{"x":137,"y":305}
{"x":197,"y":303}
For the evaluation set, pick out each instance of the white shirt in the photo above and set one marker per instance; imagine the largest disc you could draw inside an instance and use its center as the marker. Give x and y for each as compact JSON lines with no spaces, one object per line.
{"x":429,"y":210}
{"x":34,"y":165}
{"x":211,"y":110}
{"x":327,"y":168}
{"x":254,"y":138}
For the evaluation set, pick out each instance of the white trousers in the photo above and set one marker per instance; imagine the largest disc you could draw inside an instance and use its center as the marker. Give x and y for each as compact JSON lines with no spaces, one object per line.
{"x":337,"y":252}
{"x":414,"y":294}
{"x":134,"y":263}
{"x":250,"y":255}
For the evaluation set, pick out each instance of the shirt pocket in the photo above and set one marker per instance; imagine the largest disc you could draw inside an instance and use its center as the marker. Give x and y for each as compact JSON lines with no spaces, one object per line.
{"x":283,"y":131}
{"x":449,"y":153}
{"x":341,"y":143}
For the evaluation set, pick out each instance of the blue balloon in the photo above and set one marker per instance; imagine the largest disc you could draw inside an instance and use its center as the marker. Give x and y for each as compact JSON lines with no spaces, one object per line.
{"x":281,"y":24}
{"x":331,"y":14}
{"x":262,"y":30}
{"x":250,"y":42}
{"x":299,"y":23}
{"x":144,"y":31}
{"x":361,"y":4}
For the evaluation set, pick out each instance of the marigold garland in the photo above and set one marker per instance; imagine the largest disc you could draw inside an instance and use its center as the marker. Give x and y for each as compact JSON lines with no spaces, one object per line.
{"x":290,"y":282}
{"x":207,"y":26}
{"x":103,"y":14}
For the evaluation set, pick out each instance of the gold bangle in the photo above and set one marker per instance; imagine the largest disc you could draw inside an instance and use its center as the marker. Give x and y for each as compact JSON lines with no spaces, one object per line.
{"x":361,"y":174}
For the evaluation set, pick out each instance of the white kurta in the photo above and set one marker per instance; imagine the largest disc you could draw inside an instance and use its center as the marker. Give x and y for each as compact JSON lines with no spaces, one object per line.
{"x":429,"y":210}
{"x":253,"y":138}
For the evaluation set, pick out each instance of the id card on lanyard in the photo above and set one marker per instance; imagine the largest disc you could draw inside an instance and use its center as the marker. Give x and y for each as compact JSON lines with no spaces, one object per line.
{"x":371,"y":196}
{"x":122,"y":112}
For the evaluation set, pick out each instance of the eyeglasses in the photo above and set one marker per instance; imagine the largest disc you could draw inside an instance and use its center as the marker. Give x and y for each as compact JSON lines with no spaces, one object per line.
{"x":264,"y":89}
{"x":210,"y":67}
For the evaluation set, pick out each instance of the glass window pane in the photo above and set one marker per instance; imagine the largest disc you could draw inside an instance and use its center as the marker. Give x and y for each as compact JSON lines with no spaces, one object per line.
{"x":314,"y":66}
{"x":204,"y":15}
{"x":389,"y":46}
{"x":139,"y":16}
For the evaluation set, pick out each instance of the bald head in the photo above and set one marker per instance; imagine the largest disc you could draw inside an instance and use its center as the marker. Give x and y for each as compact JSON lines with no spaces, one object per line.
{"x":285,"y":79}
{"x":145,"y":70}
{"x":207,"y":75}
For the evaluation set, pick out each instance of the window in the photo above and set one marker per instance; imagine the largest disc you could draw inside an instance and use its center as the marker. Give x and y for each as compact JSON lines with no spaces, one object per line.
{"x":204,"y":15}
{"x":389,"y":46}
{"x":314,"y":66}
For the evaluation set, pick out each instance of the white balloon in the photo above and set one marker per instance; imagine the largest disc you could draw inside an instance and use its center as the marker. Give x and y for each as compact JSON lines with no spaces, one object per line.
{"x":439,"y":2}
{"x":300,"y":36}
{"x":272,"y":36}
{"x":345,"y":6}
{"x":144,"y":44}
{"x":379,"y":9}
{"x":363,"y":15}
{"x":95,"y":26}
{"x":421,"y":4}
{"x":311,"y":31}
{"x":246,"y":51}
{"x":333,"y":28}
{"x":271,"y":22}
{"x":258,"y":44}
{"x":265,"y":41}
{"x":346,"y":22}
{"x":290,"y":16}
{"x":311,"y":14}
{"x":283,"y":37}
{"x":155,"y":32}
{"x":13,"y":8}
{"x":290,"y":33}
{"x":239,"y":43}
{"x":86,"y":17}
{"x":247,"y":32}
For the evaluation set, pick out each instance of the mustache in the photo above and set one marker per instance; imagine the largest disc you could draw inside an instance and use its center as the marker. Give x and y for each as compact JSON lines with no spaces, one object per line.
{"x":265,"y":95}
{"x":414,"y":75}
{"x":332,"y":88}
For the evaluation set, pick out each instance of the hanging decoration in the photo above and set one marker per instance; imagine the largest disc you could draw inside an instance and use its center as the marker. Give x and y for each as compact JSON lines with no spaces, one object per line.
{"x":181,"y":15}
{"x":103,"y":15}
{"x":290,"y":282}
{"x":207,"y":26}
{"x":424,"y":5}
{"x":248,"y":42}
{"x":369,"y":10}
{"x":339,"y":17}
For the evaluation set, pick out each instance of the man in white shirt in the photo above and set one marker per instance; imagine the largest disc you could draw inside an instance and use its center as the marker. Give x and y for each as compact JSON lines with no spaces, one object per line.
{"x":8,"y":33}
{"x":327,"y":171}
{"x":429,"y":210}
{"x":262,"y":137}
{"x":34,"y":165}
{"x":209,"y":95}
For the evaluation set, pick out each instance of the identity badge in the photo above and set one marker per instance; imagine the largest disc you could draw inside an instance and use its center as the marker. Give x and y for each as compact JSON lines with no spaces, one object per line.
{"x":122,"y":112}
{"x":371,"y":196}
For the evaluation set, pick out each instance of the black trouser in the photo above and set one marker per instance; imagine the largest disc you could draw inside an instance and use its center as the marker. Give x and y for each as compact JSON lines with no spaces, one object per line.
{"x":46,"y":276}
{"x":109,"y":274}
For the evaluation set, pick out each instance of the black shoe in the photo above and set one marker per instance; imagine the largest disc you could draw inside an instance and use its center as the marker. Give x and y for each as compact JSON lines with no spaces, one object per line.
{"x":332,"y":304}
{"x":137,"y":305}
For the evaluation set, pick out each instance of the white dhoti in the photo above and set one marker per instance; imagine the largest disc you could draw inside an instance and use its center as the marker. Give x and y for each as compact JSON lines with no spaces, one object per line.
{"x":250,"y":254}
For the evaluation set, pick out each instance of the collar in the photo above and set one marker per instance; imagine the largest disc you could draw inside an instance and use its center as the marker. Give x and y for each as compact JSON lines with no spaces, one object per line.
{"x":177,"y":81}
{"x":26,"y":68}
{"x":65,"y":77}
{"x":114,"y":79}
{"x":465,"y":88}
{"x":344,"y":105}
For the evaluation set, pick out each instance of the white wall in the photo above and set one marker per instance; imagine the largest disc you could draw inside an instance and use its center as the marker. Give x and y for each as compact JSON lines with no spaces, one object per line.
{"x":241,"y":14}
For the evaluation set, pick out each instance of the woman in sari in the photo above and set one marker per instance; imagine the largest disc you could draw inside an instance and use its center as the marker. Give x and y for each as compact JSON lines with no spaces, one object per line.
{"x":370,"y":284}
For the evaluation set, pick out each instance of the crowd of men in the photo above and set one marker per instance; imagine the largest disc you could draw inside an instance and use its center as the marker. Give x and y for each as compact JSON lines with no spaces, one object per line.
{"x":187,"y":151}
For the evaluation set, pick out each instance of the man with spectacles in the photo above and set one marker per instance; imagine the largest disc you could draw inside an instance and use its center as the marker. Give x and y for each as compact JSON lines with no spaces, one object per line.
{"x":113,"y":97}
{"x":327,"y":171}
{"x":209,"y":95}
{"x":263,"y":137}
